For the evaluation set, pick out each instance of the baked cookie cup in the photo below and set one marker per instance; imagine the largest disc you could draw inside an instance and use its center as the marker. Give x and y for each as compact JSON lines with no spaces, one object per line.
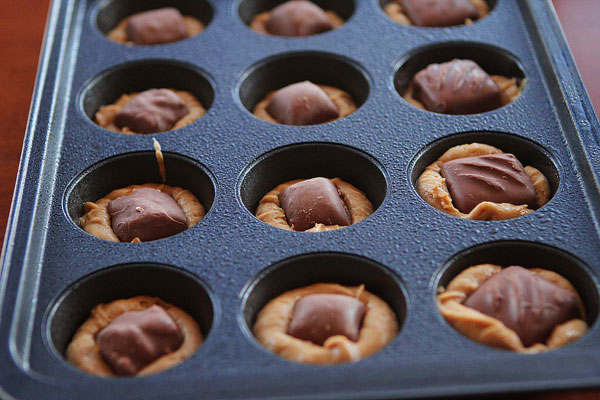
{"x":270,"y":210}
{"x":97,"y":220}
{"x":433,"y":188}
{"x":507,"y":315}
{"x":84,"y":350}
{"x":377,"y":329}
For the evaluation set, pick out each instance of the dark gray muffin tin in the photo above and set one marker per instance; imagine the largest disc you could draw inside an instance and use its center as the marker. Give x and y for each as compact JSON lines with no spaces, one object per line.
{"x":224,"y":269}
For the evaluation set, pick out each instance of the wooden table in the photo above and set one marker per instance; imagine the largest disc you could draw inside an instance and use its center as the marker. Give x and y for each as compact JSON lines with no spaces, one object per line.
{"x":21,"y":30}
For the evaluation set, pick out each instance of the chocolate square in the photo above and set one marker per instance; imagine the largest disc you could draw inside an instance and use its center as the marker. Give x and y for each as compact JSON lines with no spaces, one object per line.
{"x":313,"y":201}
{"x":439,"y":12}
{"x":302,"y":103}
{"x":499,"y":178}
{"x":456,"y":87}
{"x":298,"y":18}
{"x":317,"y":317}
{"x":147,"y":214}
{"x":159,"y":26}
{"x":136,"y":338}
{"x":151,"y":111}
{"x":525,"y":302}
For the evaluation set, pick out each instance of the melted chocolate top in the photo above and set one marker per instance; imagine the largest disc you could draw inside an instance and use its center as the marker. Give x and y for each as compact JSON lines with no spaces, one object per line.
{"x":499,"y":178}
{"x":456,"y":87}
{"x":302,"y":103}
{"x":298,"y":18}
{"x":159,"y":26}
{"x":439,"y":12}
{"x":136,"y":338}
{"x":147,"y":214}
{"x":151,"y":111}
{"x":525,"y":302}
{"x":313,"y":201}
{"x":317,"y":317}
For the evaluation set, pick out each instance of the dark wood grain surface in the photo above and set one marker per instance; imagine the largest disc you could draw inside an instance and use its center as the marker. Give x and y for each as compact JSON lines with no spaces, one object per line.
{"x":579,"y":19}
{"x":21,"y":30}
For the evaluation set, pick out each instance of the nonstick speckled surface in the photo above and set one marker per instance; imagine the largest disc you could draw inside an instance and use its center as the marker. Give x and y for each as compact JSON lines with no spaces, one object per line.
{"x":227,"y":266}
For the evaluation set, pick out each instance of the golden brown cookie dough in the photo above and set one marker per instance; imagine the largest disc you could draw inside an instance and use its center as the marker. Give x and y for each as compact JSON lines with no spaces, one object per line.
{"x":259,"y":22}
{"x":119,"y":34}
{"x":394,"y":10}
{"x":379,"y":327}
{"x":432,"y":187}
{"x":492,"y":332}
{"x":270,"y":211}
{"x":83,"y":350}
{"x":510,"y":90}
{"x":340,"y":98}
{"x":105,"y":116}
{"x":96,"y":220}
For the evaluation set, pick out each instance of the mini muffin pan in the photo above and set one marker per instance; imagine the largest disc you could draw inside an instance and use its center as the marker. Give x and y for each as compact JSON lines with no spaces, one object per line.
{"x":225,"y":268}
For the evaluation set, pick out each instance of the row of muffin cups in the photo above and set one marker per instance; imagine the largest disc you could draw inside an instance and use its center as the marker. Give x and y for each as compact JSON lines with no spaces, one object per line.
{"x":110,"y":14}
{"x":309,"y":159}
{"x":186,"y":290}
{"x":284,"y":69}
{"x":294,"y":161}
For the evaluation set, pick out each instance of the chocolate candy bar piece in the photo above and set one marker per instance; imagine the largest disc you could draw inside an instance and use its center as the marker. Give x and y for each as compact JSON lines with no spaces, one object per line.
{"x":313,"y":201}
{"x":499,"y":178}
{"x":439,"y":12}
{"x":298,"y":18}
{"x":151,"y":111}
{"x":317,"y":317}
{"x":525,"y":302}
{"x":302,"y":103}
{"x":456,"y":87}
{"x":136,"y":338}
{"x":147,"y":214}
{"x":156,"y":26}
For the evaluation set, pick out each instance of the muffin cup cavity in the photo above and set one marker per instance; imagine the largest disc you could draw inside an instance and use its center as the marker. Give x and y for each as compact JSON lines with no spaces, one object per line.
{"x":248,"y":9}
{"x":134,"y":169}
{"x":172,"y":285}
{"x":310,"y":160}
{"x":304,"y":270}
{"x":112,"y":12}
{"x":527,"y":255}
{"x":526,"y":151}
{"x":138,"y":76}
{"x":493,"y":60}
{"x":320,"y":68}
